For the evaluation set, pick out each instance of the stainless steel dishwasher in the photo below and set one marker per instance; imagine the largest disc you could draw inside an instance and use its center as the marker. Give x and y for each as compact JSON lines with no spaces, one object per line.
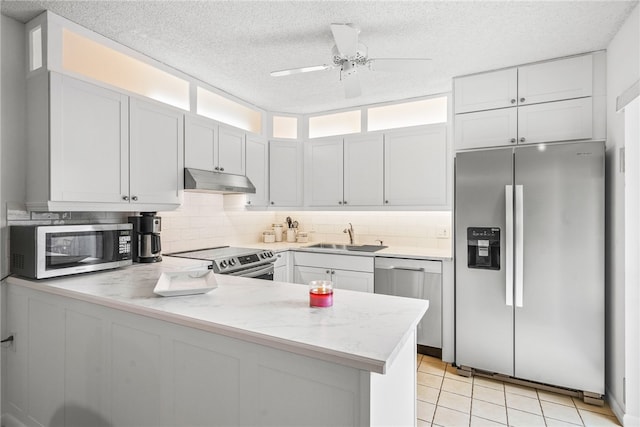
{"x":415,"y":279}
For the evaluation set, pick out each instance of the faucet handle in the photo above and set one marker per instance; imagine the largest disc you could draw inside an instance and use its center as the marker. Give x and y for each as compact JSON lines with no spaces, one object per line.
{"x":379,"y":241}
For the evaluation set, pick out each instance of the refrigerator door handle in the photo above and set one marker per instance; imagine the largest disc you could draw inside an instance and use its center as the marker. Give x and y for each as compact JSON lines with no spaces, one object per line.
{"x":508,"y":197}
{"x":519,"y":234}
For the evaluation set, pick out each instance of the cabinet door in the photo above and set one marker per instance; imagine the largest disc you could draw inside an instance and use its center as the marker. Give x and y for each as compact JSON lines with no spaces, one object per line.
{"x":555,"y":80}
{"x":199,"y":143}
{"x":257,"y":172}
{"x":364,"y":170}
{"x":486,"y":91}
{"x":491,"y":128}
{"x":285,"y":173}
{"x":555,"y":121}
{"x":324,"y":169}
{"x":416,"y":164}
{"x":89,"y":147}
{"x":156,"y":152}
{"x":304,"y":275}
{"x":231,"y":150}
{"x":352,"y":280}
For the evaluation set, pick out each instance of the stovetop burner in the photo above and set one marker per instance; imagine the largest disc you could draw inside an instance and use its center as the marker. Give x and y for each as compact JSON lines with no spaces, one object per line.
{"x":227,"y":259}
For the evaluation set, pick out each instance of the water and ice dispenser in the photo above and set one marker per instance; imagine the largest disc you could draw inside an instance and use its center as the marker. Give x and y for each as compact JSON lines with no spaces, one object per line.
{"x":483,"y":248}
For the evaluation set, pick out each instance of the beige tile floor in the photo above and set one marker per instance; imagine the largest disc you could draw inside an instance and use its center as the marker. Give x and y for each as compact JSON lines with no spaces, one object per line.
{"x":449,"y":400}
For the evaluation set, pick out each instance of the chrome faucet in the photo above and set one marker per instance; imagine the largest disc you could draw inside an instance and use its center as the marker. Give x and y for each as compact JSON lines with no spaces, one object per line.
{"x":351,"y":234}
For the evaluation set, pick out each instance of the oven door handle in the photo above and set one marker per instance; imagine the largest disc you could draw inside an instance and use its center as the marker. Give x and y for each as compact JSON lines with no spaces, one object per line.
{"x":254,"y":272}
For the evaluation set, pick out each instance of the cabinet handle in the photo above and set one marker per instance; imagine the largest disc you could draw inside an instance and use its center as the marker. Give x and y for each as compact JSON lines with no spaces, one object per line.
{"x":216,"y":168}
{"x":134,"y":198}
{"x":272,"y":203}
{"x":522,"y":139}
{"x":513,"y":100}
{"x":333,"y":272}
{"x":125,"y":198}
{"x":386,"y":201}
{"x":221,"y":169}
{"x":328,"y":272}
{"x":248,"y":202}
{"x":344,"y":203}
{"x":339,"y":202}
{"x":513,"y":140}
{"x":521,"y":99}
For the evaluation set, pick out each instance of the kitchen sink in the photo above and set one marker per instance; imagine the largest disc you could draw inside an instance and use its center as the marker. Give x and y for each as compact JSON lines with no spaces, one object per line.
{"x":339,"y":247}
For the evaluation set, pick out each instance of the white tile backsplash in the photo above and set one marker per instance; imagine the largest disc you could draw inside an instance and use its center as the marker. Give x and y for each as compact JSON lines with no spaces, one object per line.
{"x":206,"y":220}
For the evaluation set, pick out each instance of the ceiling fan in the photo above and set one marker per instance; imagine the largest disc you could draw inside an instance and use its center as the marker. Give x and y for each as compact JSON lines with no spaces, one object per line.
{"x":349,"y":55}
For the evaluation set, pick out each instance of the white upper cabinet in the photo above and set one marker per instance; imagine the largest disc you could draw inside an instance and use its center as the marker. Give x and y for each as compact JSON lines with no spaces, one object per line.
{"x":555,"y":121}
{"x":257,"y":154}
{"x":486,"y":91}
{"x":105,"y":151}
{"x":324,"y":170}
{"x":285,"y":173}
{"x":345,"y":171}
{"x":213,"y":147}
{"x":364,"y":170}
{"x":486,"y":128}
{"x":416,"y":164}
{"x":156,"y":146}
{"x":552,"y":101}
{"x":231,"y":150}
{"x":555,"y":80}
{"x":89,"y":142}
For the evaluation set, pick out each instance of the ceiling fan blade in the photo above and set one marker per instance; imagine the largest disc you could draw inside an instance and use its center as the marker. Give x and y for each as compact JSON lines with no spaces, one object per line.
{"x":399,"y":64}
{"x":346,"y":38}
{"x":352,"y":86}
{"x":290,"y":71}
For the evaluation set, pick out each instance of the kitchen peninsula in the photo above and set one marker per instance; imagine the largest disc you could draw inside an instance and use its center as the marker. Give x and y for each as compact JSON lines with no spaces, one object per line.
{"x":103,"y":347}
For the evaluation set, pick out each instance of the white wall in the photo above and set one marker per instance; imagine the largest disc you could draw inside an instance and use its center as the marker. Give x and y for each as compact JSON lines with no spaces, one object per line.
{"x":12,"y":132}
{"x":14,"y":137}
{"x":623,"y":62}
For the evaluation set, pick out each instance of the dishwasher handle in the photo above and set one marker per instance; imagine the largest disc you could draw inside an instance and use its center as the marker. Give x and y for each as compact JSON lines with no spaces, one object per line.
{"x":401,"y":268}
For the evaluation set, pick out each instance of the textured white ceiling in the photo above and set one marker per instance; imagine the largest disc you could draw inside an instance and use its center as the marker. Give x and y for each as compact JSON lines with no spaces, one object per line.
{"x":233,"y":45}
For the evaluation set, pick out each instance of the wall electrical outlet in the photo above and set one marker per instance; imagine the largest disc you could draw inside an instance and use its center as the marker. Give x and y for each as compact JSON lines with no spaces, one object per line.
{"x":442,"y":232}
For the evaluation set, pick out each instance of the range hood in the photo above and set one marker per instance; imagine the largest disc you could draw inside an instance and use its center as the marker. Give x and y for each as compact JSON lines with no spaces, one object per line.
{"x":215,"y":182}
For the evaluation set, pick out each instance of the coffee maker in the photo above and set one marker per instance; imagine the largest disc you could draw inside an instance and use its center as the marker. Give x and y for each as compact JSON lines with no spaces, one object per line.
{"x":146,"y":237}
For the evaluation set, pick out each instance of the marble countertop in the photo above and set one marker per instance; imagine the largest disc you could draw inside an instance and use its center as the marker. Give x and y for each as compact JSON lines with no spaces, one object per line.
{"x":416,"y":252}
{"x":361,"y":330}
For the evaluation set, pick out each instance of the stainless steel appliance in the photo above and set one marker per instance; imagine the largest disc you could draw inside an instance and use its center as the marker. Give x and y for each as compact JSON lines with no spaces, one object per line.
{"x":529,"y":262}
{"x":146,"y":237}
{"x":42,"y":251}
{"x":415,"y":279}
{"x":244,"y":262}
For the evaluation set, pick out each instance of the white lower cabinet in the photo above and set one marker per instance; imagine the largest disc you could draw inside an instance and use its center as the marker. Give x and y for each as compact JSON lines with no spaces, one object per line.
{"x":346,"y":271}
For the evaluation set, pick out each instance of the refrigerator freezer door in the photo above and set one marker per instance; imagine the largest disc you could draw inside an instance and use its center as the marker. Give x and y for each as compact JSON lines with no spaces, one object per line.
{"x":484,"y":320}
{"x":559,"y":322}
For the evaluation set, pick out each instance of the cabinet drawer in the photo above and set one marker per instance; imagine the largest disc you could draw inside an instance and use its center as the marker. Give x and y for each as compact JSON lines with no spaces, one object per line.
{"x":492,"y":128}
{"x":341,"y":262}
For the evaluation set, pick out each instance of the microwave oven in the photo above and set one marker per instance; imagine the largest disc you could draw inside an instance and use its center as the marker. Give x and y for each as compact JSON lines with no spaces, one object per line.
{"x":43,"y":251}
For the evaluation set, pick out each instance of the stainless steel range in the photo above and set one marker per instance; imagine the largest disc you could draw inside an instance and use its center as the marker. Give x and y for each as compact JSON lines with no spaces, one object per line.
{"x":244,"y":262}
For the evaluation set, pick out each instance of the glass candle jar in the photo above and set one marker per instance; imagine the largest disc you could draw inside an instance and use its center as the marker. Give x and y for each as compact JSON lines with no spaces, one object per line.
{"x":320,"y":293}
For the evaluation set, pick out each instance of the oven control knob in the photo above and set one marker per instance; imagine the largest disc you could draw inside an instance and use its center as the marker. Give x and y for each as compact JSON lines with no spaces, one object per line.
{"x":232,"y":262}
{"x":223,"y":264}
{"x":270,"y":254}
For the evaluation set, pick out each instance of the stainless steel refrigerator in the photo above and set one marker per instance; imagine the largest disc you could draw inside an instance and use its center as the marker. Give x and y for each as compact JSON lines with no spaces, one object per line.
{"x":529,"y":255}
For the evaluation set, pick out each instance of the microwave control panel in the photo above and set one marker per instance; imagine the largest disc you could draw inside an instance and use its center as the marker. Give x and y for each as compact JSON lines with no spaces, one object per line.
{"x":124,"y":244}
